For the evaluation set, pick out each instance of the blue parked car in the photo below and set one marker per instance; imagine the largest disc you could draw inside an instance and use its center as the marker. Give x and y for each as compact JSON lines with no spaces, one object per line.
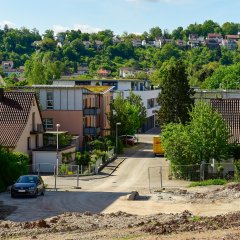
{"x":28,"y":185}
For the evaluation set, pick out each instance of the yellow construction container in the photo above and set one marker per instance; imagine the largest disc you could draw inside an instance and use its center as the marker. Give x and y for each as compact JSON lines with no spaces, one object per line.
{"x":157,"y":146}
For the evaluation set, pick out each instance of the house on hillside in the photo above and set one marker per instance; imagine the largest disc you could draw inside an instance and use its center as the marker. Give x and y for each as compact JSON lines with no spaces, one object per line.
{"x":103,"y":72}
{"x":215,"y":36}
{"x":8,"y":69}
{"x":230,"y":44}
{"x":21,"y":126}
{"x":127,"y":72}
{"x":195,"y":41}
{"x":137,"y":42}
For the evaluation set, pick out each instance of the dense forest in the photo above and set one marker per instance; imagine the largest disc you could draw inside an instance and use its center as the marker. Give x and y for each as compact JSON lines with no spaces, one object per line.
{"x":48,"y":56}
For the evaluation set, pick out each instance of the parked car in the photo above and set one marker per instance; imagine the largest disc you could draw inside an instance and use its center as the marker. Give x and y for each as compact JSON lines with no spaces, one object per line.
{"x":28,"y":185}
{"x":129,"y":139}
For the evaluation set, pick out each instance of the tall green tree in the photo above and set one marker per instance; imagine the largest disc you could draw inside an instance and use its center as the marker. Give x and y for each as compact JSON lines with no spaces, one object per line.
{"x":136,"y":100}
{"x":204,"y":138}
{"x":175,"y":98}
{"x":209,"y":134}
{"x":127,"y":114}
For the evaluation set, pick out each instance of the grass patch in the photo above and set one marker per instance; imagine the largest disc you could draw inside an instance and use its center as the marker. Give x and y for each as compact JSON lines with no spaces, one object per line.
{"x":209,"y":182}
{"x":195,"y":218}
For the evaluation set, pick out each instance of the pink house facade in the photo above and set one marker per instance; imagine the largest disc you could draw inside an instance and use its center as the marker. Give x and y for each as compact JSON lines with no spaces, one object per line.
{"x":80,"y":110}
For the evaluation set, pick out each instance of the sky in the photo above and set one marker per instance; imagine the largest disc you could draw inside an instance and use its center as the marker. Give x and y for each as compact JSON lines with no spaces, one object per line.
{"x":131,"y":16}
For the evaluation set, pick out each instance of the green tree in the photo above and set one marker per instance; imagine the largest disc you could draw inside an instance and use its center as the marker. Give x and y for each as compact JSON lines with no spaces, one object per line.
{"x":127,"y":114}
{"x":175,"y":97}
{"x":136,"y":100}
{"x":204,"y":138}
{"x":209,"y":134}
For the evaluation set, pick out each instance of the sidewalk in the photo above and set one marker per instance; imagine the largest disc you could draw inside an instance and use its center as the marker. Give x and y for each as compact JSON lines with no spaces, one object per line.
{"x":128,"y":152}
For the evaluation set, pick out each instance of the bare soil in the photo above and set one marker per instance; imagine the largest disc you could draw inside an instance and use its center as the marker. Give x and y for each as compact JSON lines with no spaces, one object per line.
{"x":122,"y":225}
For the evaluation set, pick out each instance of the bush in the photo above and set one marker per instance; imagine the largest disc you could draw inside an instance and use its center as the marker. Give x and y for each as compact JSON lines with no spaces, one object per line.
{"x":209,"y":182}
{"x":13,"y":164}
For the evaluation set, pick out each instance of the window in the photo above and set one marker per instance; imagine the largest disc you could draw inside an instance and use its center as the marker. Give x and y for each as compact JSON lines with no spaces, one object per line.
{"x":49,"y":100}
{"x":150,"y":103}
{"x":48,"y":123}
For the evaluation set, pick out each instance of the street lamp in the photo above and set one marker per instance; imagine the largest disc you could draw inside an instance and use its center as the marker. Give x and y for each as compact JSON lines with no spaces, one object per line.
{"x":117,"y":124}
{"x":57,"y":125}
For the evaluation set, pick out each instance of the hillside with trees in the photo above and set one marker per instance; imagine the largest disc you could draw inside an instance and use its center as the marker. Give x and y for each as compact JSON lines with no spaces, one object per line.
{"x":48,"y":56}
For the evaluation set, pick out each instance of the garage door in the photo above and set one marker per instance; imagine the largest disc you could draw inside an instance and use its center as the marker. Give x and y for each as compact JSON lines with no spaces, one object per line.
{"x":44,"y":162}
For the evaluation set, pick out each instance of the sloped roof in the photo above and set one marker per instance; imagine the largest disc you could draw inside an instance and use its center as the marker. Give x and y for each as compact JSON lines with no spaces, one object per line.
{"x":15,"y":108}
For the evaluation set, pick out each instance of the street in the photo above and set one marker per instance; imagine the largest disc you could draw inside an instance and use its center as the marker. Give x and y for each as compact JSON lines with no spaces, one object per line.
{"x":98,"y":193}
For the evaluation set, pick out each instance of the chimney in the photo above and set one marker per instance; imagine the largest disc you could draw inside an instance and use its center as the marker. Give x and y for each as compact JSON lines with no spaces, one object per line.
{"x":1,"y":94}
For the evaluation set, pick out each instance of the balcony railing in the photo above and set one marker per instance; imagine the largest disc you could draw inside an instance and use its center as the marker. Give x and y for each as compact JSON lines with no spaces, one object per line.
{"x":91,"y":130}
{"x":37,"y":128}
{"x":91,"y":111}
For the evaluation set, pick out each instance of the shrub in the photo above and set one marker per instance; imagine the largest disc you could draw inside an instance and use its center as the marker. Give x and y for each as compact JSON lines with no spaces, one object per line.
{"x":13,"y":164}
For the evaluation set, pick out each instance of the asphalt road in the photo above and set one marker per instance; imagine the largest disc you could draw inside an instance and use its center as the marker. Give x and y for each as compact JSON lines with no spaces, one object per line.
{"x":97,"y":194}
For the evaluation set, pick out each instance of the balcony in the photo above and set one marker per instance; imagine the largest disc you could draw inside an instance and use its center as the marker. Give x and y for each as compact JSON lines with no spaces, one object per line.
{"x":36,"y":129}
{"x":91,"y":130}
{"x":91,"y":111}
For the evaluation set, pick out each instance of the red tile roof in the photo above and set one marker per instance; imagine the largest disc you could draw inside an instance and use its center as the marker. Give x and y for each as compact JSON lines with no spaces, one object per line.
{"x":15,"y":108}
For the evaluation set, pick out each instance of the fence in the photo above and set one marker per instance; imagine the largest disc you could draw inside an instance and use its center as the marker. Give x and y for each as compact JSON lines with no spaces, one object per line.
{"x":181,"y":175}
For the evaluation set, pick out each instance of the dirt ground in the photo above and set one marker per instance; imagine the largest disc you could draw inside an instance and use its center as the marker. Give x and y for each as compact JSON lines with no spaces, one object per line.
{"x":222,"y":222}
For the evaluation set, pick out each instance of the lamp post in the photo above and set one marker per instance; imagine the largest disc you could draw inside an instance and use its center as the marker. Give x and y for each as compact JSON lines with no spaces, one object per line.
{"x":57,"y":125}
{"x":117,"y":124}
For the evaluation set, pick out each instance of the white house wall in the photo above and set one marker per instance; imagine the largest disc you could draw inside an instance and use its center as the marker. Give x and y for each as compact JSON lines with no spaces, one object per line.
{"x":145,"y":95}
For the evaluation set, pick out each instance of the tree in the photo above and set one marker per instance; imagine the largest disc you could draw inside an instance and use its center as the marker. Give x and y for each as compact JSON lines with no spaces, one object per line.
{"x":209,"y":134}
{"x":127,"y":114}
{"x":136,"y":100}
{"x":204,"y":138}
{"x":13,"y":164}
{"x":155,"y":32}
{"x":175,"y":97}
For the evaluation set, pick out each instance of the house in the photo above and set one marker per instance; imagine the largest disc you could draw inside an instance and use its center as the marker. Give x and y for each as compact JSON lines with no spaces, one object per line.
{"x":229,"y":44}
{"x":103,"y":72}
{"x":160,"y":41}
{"x":181,"y":43}
{"x":37,"y":44}
{"x":127,"y":72}
{"x":139,"y":87}
{"x":7,"y":69}
{"x":82,"y":70}
{"x":230,"y":111}
{"x":80,"y":110}
{"x":6,"y":65}
{"x":212,"y":43}
{"x":21,"y":126}
{"x":99,"y":44}
{"x":137,"y":42}
{"x":232,"y":37}
{"x":227,"y":103}
{"x":87,"y":44}
{"x":116,"y":40}
{"x":215,"y":36}
{"x":195,"y":41}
